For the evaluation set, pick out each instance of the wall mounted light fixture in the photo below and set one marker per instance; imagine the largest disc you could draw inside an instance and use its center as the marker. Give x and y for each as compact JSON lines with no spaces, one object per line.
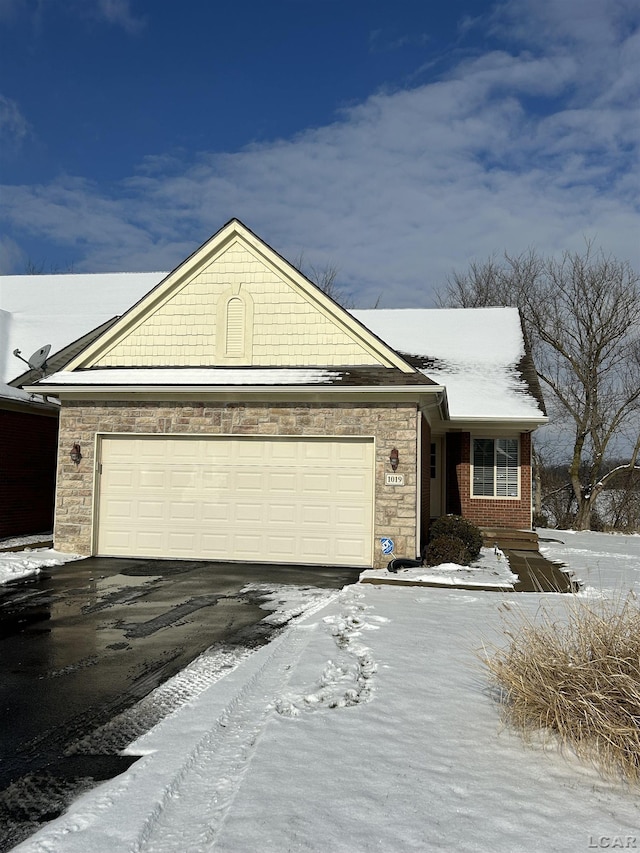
{"x":75,"y":454}
{"x":394,"y":459}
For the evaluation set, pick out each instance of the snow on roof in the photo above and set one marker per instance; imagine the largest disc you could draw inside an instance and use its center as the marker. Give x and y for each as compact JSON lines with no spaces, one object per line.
{"x":213,"y":376}
{"x":474,"y":352}
{"x":8,"y":392}
{"x":57,"y":309}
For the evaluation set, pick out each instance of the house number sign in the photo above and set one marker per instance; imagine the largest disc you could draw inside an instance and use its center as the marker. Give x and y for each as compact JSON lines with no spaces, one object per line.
{"x":394,"y":479}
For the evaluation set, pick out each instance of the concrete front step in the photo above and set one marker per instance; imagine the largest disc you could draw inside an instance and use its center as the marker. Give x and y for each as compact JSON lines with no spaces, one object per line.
{"x":509,"y":538}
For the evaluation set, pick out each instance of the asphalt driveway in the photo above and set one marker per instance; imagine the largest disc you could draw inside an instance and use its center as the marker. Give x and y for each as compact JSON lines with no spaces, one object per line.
{"x":82,"y":646}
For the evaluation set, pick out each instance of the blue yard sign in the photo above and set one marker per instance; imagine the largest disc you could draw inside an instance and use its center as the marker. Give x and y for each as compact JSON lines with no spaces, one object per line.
{"x":387,"y":545}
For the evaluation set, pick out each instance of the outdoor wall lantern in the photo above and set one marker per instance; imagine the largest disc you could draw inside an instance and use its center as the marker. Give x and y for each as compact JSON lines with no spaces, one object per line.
{"x":394,"y":459}
{"x":75,"y":454}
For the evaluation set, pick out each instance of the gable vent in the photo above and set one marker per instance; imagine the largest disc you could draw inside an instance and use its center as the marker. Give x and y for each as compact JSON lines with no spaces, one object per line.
{"x":235,"y":327}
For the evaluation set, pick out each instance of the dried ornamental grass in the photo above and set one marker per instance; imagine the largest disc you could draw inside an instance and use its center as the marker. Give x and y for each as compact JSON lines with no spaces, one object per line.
{"x":579,"y":679}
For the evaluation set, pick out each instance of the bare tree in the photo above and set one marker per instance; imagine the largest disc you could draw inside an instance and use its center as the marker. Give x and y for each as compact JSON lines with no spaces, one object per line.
{"x":324,"y":278}
{"x":582,"y":313}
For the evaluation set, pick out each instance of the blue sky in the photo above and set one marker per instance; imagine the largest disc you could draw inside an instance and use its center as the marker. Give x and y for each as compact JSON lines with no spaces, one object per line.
{"x":394,"y":140}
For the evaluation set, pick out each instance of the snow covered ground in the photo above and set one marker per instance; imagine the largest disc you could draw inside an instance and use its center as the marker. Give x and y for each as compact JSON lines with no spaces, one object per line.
{"x":366,"y":726}
{"x":15,"y":565}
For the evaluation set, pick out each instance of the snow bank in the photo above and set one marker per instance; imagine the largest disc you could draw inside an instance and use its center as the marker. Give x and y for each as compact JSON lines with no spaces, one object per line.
{"x":22,"y":564}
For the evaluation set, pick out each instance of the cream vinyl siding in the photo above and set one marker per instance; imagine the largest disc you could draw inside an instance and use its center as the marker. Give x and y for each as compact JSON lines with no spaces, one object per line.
{"x":285,"y":500}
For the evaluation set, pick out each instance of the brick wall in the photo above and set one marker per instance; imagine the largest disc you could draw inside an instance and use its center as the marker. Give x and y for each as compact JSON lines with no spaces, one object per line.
{"x":392,"y":425}
{"x":28,"y":444}
{"x":501,"y":512}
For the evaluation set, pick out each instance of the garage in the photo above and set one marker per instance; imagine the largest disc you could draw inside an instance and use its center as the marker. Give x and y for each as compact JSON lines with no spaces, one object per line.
{"x":280,"y":499}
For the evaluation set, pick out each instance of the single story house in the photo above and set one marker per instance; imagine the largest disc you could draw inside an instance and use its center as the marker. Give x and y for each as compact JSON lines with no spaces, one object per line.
{"x":235,"y":412}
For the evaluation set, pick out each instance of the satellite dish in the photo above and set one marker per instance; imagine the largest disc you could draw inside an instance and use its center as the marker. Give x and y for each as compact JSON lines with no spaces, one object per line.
{"x":39,"y":357}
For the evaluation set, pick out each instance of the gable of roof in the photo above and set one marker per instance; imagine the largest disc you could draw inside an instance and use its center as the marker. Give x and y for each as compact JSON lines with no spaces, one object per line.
{"x":236,"y":302}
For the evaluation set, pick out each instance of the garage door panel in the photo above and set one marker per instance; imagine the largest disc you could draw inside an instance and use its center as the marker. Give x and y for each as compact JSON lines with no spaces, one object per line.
{"x":216,"y":544}
{"x":249,"y":481}
{"x":180,"y":542}
{"x":182,"y":479}
{"x":183,"y":511}
{"x":245,"y":498}
{"x":117,"y":477}
{"x":147,"y":451}
{"x":316,"y":484}
{"x":315,"y":548}
{"x":152,"y":479}
{"x":317,"y":514}
{"x":150,"y":542}
{"x":119,"y":509}
{"x":282,"y":513}
{"x":249,"y":512}
{"x":151,"y":511}
{"x":352,"y":516}
{"x":215,"y":511}
{"x":351,"y":484}
{"x":284,"y":545}
{"x":348,"y":549}
{"x":317,"y":453}
{"x":281,"y":482}
{"x":215,"y":480}
{"x":250,"y":547}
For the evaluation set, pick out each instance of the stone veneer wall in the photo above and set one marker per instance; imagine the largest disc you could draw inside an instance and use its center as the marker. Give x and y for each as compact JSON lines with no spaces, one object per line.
{"x":392,"y":425}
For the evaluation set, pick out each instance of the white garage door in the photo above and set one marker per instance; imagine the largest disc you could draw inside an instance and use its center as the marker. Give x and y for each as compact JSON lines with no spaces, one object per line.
{"x":289,"y":500}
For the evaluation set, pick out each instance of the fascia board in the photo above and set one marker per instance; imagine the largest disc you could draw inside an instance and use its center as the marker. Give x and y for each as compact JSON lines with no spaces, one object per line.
{"x":39,"y":406}
{"x":527,"y":424}
{"x":415,"y":393}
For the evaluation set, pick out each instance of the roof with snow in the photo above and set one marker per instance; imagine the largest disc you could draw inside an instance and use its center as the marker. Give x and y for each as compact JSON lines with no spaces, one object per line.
{"x":235,"y":376}
{"x":478,"y":354}
{"x":58,"y":309}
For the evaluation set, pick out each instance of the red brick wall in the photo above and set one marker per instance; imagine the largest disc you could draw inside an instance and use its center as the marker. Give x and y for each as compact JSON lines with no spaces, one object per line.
{"x":499,"y":512}
{"x":28,"y":447}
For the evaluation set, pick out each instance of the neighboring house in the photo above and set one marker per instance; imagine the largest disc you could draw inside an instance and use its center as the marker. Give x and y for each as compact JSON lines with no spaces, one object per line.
{"x":236,"y":412}
{"x":36,"y":310}
{"x":28,"y":450}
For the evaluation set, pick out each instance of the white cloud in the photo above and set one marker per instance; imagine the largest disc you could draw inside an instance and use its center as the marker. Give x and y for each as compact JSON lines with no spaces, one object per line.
{"x":115,"y":12}
{"x":13,"y":125}
{"x":519,"y":147}
{"x":118,"y":13}
{"x":11,"y":255}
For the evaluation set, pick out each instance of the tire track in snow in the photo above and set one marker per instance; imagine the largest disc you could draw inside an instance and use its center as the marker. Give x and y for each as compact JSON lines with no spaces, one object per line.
{"x":194,"y":805}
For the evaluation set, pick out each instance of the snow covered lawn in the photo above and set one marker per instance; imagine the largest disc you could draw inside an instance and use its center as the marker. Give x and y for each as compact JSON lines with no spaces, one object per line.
{"x":367,"y":726}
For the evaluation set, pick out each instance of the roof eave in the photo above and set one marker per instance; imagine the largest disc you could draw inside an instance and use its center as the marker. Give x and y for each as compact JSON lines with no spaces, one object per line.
{"x":413,"y":392}
{"x":530,"y":421}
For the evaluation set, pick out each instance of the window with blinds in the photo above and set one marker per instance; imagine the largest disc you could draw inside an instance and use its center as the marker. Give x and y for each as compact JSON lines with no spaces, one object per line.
{"x":495,"y":467}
